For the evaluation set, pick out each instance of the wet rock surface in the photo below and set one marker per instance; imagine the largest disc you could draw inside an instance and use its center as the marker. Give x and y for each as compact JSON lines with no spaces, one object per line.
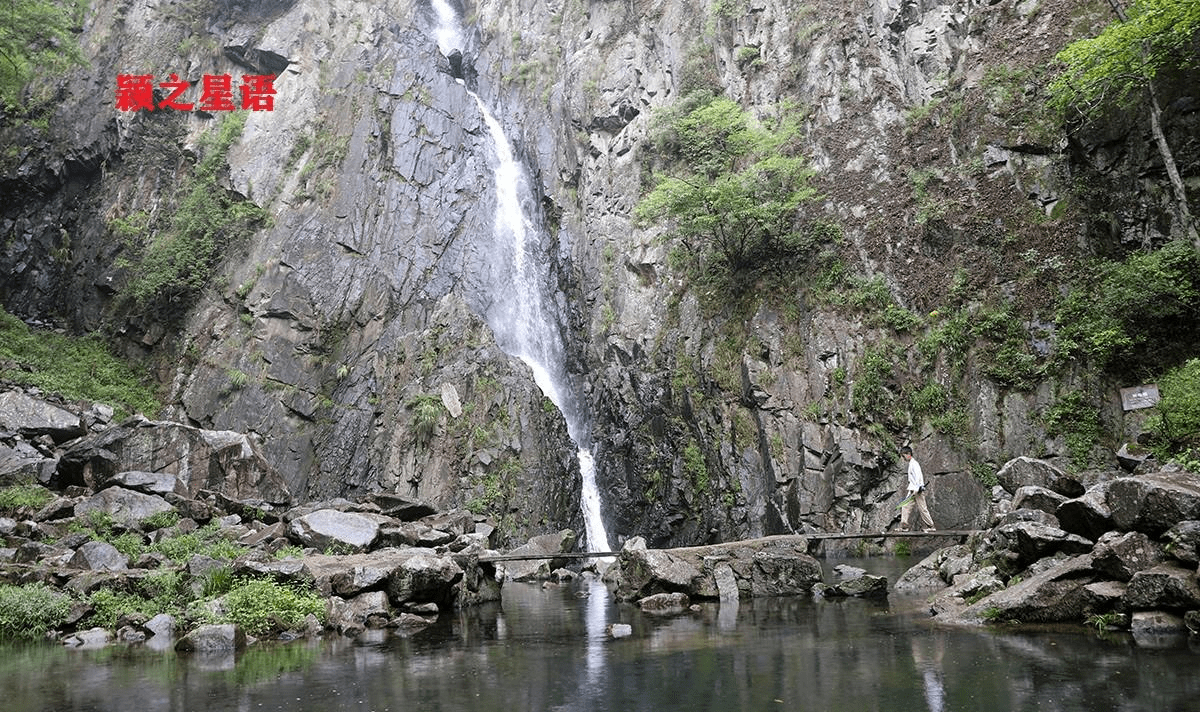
{"x":1128,"y":561}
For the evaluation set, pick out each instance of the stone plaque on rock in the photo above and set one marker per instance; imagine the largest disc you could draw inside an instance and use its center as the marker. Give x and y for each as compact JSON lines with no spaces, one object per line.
{"x":1138,"y":397}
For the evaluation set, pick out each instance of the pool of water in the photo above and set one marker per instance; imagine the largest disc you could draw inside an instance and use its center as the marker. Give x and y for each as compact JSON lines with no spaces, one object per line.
{"x":546,"y":648}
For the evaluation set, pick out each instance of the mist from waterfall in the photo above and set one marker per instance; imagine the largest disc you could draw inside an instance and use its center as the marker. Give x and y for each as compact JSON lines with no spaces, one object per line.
{"x":521,"y":303}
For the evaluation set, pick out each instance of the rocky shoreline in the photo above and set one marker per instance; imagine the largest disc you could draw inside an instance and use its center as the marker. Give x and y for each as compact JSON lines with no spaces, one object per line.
{"x":150,"y":527}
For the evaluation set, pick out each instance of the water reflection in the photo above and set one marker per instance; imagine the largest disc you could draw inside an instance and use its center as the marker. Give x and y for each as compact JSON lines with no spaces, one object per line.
{"x":547,"y":649}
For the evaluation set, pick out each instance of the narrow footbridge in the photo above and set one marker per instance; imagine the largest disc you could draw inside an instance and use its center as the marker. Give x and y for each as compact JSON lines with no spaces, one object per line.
{"x":813,"y":538}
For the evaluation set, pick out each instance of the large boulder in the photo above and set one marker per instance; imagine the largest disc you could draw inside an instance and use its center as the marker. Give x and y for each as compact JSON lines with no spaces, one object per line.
{"x":125,"y":506}
{"x":98,"y":556}
{"x":353,"y":616}
{"x":1184,"y":541}
{"x":1035,"y":497}
{"x":1057,"y":594}
{"x":423,"y":579}
{"x":222,"y":638}
{"x":541,"y":550}
{"x":1026,"y":542}
{"x":770,"y":566}
{"x":344,"y":532}
{"x":1025,"y":471}
{"x":217,"y":460}
{"x":1163,"y":587}
{"x":1154,"y":503}
{"x":1088,"y":515}
{"x":1120,"y":555}
{"x":31,"y":417}
{"x":159,"y":483}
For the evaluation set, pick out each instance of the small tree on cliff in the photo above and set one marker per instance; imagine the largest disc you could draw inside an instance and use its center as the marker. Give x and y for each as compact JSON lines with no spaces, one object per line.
{"x":1121,"y":67}
{"x":732,"y":191}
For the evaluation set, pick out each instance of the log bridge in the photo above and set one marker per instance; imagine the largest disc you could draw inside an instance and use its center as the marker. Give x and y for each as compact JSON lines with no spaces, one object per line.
{"x":813,"y":537}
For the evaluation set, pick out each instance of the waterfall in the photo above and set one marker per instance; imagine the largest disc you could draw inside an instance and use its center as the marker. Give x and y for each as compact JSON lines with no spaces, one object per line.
{"x":520,"y":312}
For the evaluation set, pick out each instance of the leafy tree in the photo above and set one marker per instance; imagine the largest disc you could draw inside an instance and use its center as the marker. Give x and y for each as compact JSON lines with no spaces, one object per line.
{"x":35,"y":34}
{"x":1119,"y":69}
{"x":733,"y":193}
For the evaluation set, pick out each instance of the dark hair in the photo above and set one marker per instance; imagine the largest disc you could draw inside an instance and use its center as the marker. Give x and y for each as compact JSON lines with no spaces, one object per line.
{"x":906,"y":450}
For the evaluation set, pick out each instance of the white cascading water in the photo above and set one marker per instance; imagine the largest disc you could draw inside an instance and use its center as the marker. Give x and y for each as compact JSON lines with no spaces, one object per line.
{"x":518,"y":315}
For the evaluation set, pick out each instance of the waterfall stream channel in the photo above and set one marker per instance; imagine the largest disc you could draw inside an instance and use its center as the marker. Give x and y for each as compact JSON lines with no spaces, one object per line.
{"x":521,"y":301}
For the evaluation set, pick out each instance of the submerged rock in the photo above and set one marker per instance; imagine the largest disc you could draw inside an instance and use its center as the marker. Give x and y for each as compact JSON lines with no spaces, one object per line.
{"x":217,"y":638}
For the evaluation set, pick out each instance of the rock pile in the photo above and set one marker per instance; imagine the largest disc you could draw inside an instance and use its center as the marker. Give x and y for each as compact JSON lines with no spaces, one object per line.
{"x":1108,"y":549}
{"x":130,"y":502}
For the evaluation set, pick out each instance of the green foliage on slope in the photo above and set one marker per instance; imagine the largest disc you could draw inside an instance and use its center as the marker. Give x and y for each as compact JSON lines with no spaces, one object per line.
{"x":35,"y":36}
{"x":733,"y":189}
{"x":74,"y":367}
{"x":178,"y":255}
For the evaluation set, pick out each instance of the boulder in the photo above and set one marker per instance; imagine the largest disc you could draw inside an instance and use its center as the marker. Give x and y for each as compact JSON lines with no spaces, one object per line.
{"x":360,"y":578}
{"x":161,"y":626}
{"x":23,"y":465}
{"x":1154,"y":503}
{"x":353,"y":616}
{"x":1028,"y":515}
{"x":347,"y":532}
{"x":936,"y":570}
{"x":1029,"y":541}
{"x":545,"y":545}
{"x":126,"y":507}
{"x":769,"y":566}
{"x":619,"y":630}
{"x":1039,"y":498}
{"x":222,"y":638}
{"x":91,"y":638}
{"x":664,"y":604}
{"x":1088,"y":515}
{"x":967,"y":587}
{"x":862,"y":586}
{"x":1120,"y":555}
{"x":31,"y":417}
{"x":1024,"y":471}
{"x":1184,"y":541}
{"x":402,"y":508}
{"x":1158,"y":629}
{"x":98,"y":556}
{"x":425,"y":578}
{"x":1056,"y":594}
{"x":1163,"y":587}
{"x":218,"y":460}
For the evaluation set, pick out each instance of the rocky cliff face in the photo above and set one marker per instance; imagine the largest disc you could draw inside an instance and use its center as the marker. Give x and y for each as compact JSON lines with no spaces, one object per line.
{"x":348,"y":330}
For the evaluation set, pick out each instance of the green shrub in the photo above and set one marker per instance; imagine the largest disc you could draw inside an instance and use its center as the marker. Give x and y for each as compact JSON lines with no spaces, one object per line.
{"x":694,"y":466}
{"x":24,"y":496}
{"x":734,"y":189}
{"x":1077,"y":420}
{"x":1137,"y":316}
{"x":262,"y":607}
{"x":1176,"y":425}
{"x":108,"y":606}
{"x":427,"y":413}
{"x":78,"y":368}
{"x":160,"y":520}
{"x":178,"y":257}
{"x":29,"y":611}
{"x":207,"y":541}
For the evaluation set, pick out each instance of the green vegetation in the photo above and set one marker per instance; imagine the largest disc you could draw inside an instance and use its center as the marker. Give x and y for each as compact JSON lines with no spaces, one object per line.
{"x":177,"y":257}
{"x":36,"y":36}
{"x":427,"y":414}
{"x":733,"y":190}
{"x":31,"y":497}
{"x":1111,"y":71}
{"x":77,"y":368}
{"x":30,"y":611}
{"x":263,"y":607}
{"x":694,"y":467}
{"x":1176,"y":425}
{"x":1077,"y":420}
{"x":1136,"y":317}
{"x":1103,"y":622}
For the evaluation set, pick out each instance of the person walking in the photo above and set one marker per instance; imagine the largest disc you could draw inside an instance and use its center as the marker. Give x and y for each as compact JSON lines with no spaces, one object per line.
{"x":916,"y":491}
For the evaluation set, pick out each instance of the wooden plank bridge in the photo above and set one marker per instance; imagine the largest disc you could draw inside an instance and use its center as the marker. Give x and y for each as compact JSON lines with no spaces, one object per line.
{"x":814,"y":537}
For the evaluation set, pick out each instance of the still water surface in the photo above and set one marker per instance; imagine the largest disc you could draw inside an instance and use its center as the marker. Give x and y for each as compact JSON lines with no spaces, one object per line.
{"x":546,"y":649}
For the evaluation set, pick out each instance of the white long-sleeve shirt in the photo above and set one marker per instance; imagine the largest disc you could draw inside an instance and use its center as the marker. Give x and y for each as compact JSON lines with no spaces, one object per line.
{"x":916,"y":478}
